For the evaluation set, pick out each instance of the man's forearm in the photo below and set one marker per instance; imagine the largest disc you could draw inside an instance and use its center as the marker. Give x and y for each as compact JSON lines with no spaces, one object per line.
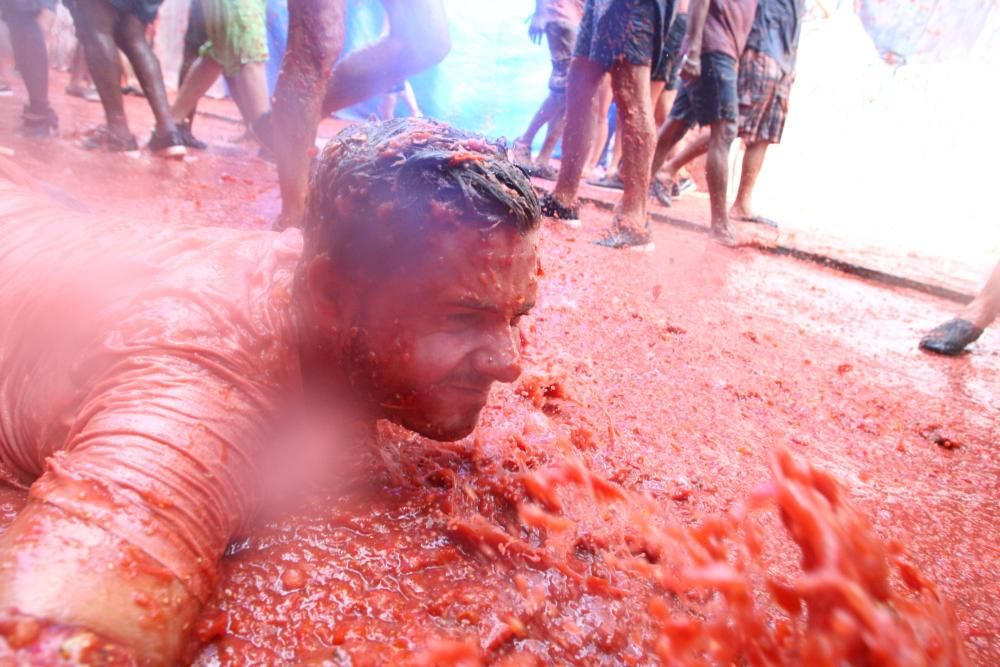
{"x":697,"y":16}
{"x":58,"y":568}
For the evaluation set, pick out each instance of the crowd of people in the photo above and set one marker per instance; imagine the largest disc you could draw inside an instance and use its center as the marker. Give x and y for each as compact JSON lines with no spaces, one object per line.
{"x":187,"y":346}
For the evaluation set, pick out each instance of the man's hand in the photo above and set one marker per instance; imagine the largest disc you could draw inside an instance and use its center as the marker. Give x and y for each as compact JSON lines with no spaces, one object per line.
{"x":536,"y":28}
{"x":691,"y":66}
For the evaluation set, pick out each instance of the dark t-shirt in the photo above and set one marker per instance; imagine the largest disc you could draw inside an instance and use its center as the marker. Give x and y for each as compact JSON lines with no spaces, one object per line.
{"x":727,"y":26}
{"x":776,"y":28}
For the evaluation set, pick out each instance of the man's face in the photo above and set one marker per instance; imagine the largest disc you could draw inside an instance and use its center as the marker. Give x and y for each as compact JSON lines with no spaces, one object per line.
{"x":430,"y":339}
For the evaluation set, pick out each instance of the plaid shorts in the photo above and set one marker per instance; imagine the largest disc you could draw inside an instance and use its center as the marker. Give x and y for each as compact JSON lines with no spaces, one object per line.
{"x":763,"y":90}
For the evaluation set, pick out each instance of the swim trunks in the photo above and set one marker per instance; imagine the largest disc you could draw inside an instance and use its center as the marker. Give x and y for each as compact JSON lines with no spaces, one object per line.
{"x":237,"y":32}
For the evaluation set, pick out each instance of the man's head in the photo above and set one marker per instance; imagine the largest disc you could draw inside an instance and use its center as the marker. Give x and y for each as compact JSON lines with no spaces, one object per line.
{"x":420,"y":257}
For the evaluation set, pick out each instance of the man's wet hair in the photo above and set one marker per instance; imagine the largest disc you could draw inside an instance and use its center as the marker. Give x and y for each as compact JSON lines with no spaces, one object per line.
{"x":381,"y":188}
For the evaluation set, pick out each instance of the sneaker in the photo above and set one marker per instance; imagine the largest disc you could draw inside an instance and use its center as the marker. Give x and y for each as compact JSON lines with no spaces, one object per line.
{"x":102,"y":138}
{"x":88,"y":94}
{"x":5,"y":89}
{"x":167,"y":144}
{"x":951,"y":338}
{"x":553,"y":209}
{"x":660,"y":192}
{"x":627,"y":237}
{"x":678,"y":188}
{"x":610,"y":181}
{"x":39,"y":123}
{"x":188,"y":139}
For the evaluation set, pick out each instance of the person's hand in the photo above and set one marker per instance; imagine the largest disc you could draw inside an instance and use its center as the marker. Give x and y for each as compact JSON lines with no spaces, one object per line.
{"x":536,"y":28}
{"x":691,"y":66}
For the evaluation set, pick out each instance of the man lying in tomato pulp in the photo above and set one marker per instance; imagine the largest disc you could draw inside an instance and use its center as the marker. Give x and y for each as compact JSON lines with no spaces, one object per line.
{"x":142,"y":367}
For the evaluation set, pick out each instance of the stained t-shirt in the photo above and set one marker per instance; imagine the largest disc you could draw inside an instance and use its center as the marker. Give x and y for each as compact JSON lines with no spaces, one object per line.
{"x":728,"y":26}
{"x":568,"y":12}
{"x":139,"y":368}
{"x":776,"y":28}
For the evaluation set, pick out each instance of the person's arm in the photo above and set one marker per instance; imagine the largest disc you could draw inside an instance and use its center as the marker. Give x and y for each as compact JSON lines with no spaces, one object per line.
{"x":122,"y":534}
{"x":697,"y":16}
{"x":536,"y":27}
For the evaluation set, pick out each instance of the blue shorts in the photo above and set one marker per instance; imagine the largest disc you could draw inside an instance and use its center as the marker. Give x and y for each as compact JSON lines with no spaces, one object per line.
{"x":713,"y":96}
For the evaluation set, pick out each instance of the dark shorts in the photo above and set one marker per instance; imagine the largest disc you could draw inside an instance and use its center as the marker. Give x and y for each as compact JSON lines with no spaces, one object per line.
{"x":763,"y":95}
{"x":144,"y":10}
{"x":11,"y":8}
{"x":712,"y":97}
{"x":629,"y":31}
{"x":196,"y":33}
{"x":670,"y":61}
{"x":561,"y":37}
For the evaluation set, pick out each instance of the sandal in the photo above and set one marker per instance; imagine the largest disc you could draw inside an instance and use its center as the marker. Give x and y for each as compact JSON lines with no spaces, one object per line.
{"x":951,"y":338}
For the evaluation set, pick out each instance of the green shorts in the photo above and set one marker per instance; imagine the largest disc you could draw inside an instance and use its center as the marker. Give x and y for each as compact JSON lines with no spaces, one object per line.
{"x":237,"y":32}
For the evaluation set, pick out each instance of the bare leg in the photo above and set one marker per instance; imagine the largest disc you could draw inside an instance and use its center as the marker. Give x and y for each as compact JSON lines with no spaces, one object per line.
{"x":691,"y":150}
{"x":602,"y":105}
{"x":387,"y":106}
{"x":249,"y":87}
{"x":79,"y":76}
{"x":983,"y":310}
{"x":551,"y":108}
{"x":315,"y":38}
{"x":584,"y":80}
{"x":635,"y":114}
{"x":417,"y":39}
{"x":753,"y":160}
{"x":31,"y":57}
{"x":130,"y":34}
{"x":555,"y":131}
{"x":670,"y":135}
{"x":95,"y":23}
{"x":717,"y":173}
{"x":199,"y":79}
{"x":411,"y":100}
{"x":662,"y":103}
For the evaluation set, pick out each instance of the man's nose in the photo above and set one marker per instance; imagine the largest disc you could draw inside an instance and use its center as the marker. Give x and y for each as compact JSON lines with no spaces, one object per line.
{"x":500,"y":358}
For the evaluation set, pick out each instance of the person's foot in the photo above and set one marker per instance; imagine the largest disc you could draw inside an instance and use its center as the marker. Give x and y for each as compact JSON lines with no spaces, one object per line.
{"x":520,"y":154}
{"x":553,"y":209}
{"x":951,"y":338}
{"x":84,"y":93}
{"x":167,"y":144}
{"x":188,"y":139}
{"x":546,"y":172}
{"x":627,"y":237}
{"x":660,"y":192}
{"x":612,"y":181}
{"x":103,"y":138}
{"x":724,"y":235}
{"x":39,"y":123}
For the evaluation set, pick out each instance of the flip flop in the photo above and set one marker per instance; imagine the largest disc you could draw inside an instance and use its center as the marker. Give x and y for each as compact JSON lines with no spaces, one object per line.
{"x":759,"y":220}
{"x":951,"y":338}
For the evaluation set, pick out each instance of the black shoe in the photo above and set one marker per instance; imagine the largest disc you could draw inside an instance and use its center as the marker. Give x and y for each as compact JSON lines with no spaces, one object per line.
{"x":553,"y":209}
{"x":102,"y":138}
{"x":39,"y":123}
{"x":951,"y":337}
{"x":188,"y":139}
{"x":167,"y":144}
{"x":660,"y":193}
{"x":626,"y":238}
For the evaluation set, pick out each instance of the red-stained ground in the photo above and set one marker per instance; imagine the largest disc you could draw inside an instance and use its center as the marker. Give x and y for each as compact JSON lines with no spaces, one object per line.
{"x":681,"y":368}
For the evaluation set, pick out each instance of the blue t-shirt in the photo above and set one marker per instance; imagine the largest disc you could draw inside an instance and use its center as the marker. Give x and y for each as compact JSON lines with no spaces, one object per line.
{"x":775,"y":31}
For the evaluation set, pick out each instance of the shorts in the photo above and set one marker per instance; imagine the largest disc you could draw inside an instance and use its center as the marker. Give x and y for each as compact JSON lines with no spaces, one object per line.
{"x":629,"y":31}
{"x":764,"y":89}
{"x":561,"y":37}
{"x":144,"y":10}
{"x":195,"y":35}
{"x":237,"y":32}
{"x":713,"y":96}
{"x":670,"y":62}
{"x":10,"y":8}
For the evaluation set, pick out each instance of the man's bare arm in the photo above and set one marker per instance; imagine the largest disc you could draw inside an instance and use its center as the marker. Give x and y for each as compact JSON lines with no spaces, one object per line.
{"x":697,"y":16}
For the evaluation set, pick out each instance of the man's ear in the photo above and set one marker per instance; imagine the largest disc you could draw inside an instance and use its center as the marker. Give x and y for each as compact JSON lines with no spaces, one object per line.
{"x":333,"y":296}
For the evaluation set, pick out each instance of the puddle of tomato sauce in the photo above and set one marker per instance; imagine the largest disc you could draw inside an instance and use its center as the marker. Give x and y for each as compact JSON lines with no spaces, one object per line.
{"x":674,"y":377}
